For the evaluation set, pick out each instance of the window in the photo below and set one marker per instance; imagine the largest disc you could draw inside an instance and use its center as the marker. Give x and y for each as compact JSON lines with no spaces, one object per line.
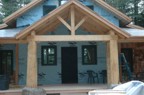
{"x":6,"y":62}
{"x":49,"y":54}
{"x":61,"y":2}
{"x":89,"y":54}
{"x":47,"y":9}
{"x":91,"y":7}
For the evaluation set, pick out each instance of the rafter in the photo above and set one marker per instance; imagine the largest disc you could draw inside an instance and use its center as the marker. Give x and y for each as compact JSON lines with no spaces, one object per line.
{"x":72,"y":20}
{"x":64,"y":22}
{"x":80,"y":23}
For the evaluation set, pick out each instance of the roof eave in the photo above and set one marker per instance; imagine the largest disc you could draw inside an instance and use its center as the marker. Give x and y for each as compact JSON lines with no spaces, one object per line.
{"x":22,"y":10}
{"x":125,"y":19}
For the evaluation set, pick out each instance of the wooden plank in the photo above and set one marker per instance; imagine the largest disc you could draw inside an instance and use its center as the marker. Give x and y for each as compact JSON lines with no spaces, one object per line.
{"x":72,"y":20}
{"x":32,"y":63}
{"x":17,"y":64}
{"x":80,"y":23}
{"x":64,"y":22}
{"x":74,"y":38}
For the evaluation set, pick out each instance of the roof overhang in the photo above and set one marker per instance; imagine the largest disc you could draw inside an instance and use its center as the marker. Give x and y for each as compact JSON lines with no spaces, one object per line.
{"x":124,"y":19}
{"x":94,"y":22}
{"x":11,"y":18}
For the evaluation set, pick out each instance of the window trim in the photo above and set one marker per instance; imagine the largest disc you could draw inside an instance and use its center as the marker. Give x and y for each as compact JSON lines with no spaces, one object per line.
{"x":95,"y":50}
{"x":42,"y":55}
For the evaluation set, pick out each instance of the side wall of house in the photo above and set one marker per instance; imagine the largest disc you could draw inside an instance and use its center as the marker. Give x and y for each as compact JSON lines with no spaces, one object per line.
{"x":36,"y":13}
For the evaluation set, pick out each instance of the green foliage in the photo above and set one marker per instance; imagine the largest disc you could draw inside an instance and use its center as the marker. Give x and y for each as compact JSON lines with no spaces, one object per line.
{"x":7,"y":7}
{"x":132,"y":8}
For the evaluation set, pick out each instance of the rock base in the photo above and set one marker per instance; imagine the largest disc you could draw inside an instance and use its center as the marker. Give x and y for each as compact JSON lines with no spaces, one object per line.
{"x":33,"y":91}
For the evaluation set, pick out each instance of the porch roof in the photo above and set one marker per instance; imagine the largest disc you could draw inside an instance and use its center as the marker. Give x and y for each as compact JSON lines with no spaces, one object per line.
{"x":10,"y":19}
{"x":92,"y":21}
{"x":134,"y":32}
{"x":10,"y":33}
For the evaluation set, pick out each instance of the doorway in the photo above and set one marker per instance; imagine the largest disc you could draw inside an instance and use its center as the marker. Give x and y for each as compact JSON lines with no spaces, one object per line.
{"x":69,"y":65}
{"x":128,"y":52}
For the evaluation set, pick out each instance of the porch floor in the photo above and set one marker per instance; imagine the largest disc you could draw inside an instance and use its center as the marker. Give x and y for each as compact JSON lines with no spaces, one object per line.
{"x":61,"y":88}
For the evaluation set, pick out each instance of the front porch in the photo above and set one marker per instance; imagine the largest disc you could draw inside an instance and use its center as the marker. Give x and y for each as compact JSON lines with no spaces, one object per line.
{"x":79,"y":25}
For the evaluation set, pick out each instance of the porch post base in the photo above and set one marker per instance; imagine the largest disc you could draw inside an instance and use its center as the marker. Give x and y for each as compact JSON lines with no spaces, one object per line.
{"x":110,"y":86}
{"x":33,"y":91}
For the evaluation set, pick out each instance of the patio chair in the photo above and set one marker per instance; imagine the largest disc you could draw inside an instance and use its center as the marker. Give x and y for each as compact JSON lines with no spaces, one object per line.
{"x":91,"y":76}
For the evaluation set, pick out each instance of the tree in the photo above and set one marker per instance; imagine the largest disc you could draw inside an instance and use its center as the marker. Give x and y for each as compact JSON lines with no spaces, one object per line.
{"x":132,"y":8}
{"x":7,"y":7}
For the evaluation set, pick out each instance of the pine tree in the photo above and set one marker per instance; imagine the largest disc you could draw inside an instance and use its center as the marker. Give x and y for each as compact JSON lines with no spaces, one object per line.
{"x":7,"y":7}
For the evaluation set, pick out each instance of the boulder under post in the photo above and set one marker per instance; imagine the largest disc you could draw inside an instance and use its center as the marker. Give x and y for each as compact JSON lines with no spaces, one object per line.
{"x":33,"y":91}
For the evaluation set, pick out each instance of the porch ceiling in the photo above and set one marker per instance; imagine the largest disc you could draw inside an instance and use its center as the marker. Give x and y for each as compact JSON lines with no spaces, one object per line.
{"x":83,"y":17}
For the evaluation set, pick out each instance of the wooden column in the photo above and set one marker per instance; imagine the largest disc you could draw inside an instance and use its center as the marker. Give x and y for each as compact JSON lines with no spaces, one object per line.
{"x":108,"y":63}
{"x":32,"y":63}
{"x":114,"y":62}
{"x":17,"y":64}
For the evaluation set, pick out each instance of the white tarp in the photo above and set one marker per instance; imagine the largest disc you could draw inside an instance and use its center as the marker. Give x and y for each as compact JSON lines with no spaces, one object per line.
{"x":131,"y":88}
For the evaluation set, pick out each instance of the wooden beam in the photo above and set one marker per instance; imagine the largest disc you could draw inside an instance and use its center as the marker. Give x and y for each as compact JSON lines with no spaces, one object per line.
{"x":80,"y":23}
{"x":74,"y":38}
{"x":3,"y":26}
{"x":101,"y":20}
{"x":11,"y":41}
{"x":64,"y":22}
{"x":131,"y":40}
{"x":16,"y":64}
{"x":32,"y":63}
{"x":72,"y":20}
{"x":114,"y":62}
{"x":108,"y":64}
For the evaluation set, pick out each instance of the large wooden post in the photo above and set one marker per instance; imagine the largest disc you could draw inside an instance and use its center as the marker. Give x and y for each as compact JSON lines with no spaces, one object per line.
{"x":31,"y":82}
{"x":32,"y":63}
{"x":112,"y":62}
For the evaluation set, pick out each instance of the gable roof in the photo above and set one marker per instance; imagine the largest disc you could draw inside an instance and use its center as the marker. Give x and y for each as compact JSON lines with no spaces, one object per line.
{"x":21,"y":11}
{"x":51,"y":20}
{"x":124,"y":19}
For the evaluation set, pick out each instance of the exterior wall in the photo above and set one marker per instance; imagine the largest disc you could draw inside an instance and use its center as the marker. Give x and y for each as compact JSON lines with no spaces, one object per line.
{"x":51,"y":72}
{"x":36,"y":13}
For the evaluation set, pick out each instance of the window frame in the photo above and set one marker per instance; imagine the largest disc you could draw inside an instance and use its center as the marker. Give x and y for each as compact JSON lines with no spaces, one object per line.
{"x":42,"y":55}
{"x":95,"y":54}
